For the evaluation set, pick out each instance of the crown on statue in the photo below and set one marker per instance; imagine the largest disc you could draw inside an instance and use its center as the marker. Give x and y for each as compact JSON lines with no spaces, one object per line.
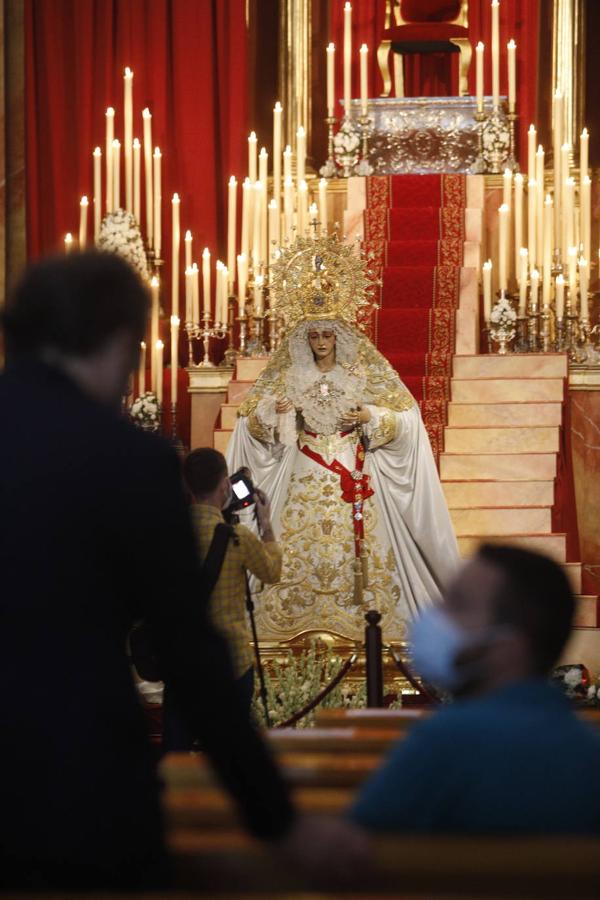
{"x":322,"y":278}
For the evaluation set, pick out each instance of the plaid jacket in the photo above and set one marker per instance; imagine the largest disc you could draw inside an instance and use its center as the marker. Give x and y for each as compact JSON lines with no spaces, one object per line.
{"x":228,"y":600}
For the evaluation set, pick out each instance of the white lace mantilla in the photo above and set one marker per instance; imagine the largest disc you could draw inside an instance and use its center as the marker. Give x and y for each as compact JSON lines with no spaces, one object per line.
{"x":323,"y":398}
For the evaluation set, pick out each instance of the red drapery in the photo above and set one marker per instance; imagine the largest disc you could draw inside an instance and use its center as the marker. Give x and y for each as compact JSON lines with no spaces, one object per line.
{"x":436,"y":75}
{"x":188,"y":58}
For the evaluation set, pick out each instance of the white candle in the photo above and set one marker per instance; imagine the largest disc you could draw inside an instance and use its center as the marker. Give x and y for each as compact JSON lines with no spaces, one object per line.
{"x":97,"y":192}
{"x":535,"y":286}
{"x":142,"y":370}
{"x":572,"y":270}
{"x":189,"y":305}
{"x":347,"y":57}
{"x":246,"y":200}
{"x":585,"y":228}
{"x":323,"y":204}
{"x":531,"y":145}
{"x":518,"y":215}
{"x":532,"y":220}
{"x":512,"y":75}
{"x":147,"y":118}
{"x":569,"y":214}
{"x":560,"y":297}
{"x":206,"y":281}
{"x":175,"y":247}
{"x":252,"y":149}
{"x":584,"y":154}
{"x":559,"y":175}
{"x":539,"y":177}
{"x":507,"y":188}
{"x":496,"y":52}
{"x":301,"y":153}
{"x":273,"y":228}
{"x":110,"y":136}
{"x":487,"y":290}
{"x":565,"y":240}
{"x":83,"y":216}
{"x":331,"y":80}
{"x":277,"y":116}
{"x":196,"y":294}
{"x":583,"y":289}
{"x":174,"y":355}
{"x":224,"y":316}
{"x":157,"y":203}
{"x":128,"y":121}
{"x":154,"y":313}
{"x":288,"y":207}
{"x":257,"y":225}
{"x":263,"y":166}
{"x":231,"y":229}
{"x":188,"y":249}
{"x":258,"y":295}
{"x":479,"y":51}
{"x":524,"y":263}
{"x":547,"y":257}
{"x":242,"y":262}
{"x":364,"y":82}
{"x":116,"y":170}
{"x":68,"y":242}
{"x":287,"y":162}
{"x":503,"y":217}
{"x":137,"y":202}
{"x":159,"y":371}
{"x":218,"y":292}
{"x":302,"y":210}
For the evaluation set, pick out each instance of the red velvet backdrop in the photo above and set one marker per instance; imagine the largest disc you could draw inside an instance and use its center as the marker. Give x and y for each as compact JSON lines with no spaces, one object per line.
{"x":435,"y":75}
{"x":188,"y":59}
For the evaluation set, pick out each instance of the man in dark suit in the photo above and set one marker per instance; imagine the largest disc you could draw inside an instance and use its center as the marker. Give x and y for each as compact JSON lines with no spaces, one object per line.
{"x":94,"y":534}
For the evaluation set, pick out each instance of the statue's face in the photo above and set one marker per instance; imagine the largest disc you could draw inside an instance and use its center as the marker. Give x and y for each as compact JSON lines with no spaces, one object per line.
{"x":322,"y":343}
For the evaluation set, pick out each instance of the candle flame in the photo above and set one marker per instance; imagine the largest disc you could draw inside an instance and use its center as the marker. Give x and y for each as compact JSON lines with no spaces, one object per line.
{"x":128,"y":72}
{"x":143,"y":345}
{"x":154,"y":282}
{"x":188,"y":235}
{"x":175,"y":198}
{"x":206,"y":253}
{"x":97,"y":152}
{"x":146,"y":114}
{"x":174,"y":321}
{"x":136,"y":144}
{"x":110,"y":111}
{"x":159,"y":345}
{"x":157,"y":152}
{"x":68,"y":237}
{"x":84,"y":201}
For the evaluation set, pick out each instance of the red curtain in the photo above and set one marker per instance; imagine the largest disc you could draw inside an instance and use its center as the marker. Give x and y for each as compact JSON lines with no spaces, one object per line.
{"x":188,"y":59}
{"x":436,"y":75}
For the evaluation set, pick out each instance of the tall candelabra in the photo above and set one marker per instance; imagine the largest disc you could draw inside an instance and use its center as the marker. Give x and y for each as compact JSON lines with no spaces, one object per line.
{"x":204,"y":331}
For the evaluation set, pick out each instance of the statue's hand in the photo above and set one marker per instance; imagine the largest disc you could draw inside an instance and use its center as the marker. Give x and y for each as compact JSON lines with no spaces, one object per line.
{"x":355,"y":417}
{"x":284,"y":405}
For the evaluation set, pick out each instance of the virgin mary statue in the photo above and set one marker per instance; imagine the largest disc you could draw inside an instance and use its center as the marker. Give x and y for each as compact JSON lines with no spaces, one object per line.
{"x":336,"y":441}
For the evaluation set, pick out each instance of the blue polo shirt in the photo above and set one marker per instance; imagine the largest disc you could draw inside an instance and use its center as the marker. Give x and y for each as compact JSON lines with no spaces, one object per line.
{"x":516,"y":760}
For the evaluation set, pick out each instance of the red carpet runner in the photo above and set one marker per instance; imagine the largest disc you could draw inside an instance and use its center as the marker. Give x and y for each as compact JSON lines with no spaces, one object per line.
{"x":414,"y":227}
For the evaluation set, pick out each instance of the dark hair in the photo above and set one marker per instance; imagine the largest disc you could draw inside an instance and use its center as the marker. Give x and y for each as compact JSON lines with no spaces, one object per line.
{"x":75,"y":303}
{"x":535,"y":597}
{"x":203,"y":469}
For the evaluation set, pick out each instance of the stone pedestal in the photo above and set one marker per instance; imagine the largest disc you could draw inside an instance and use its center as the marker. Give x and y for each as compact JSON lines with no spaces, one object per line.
{"x":208,"y":390}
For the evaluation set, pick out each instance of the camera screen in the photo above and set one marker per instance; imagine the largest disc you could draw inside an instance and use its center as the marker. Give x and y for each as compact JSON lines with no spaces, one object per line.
{"x":240,"y":490}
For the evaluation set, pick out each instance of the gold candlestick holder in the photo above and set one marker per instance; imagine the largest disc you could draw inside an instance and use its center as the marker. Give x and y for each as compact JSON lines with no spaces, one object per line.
{"x":533,"y":327}
{"x":364,"y":167}
{"x":231,"y":354}
{"x":522,"y":341}
{"x":329,"y":168}
{"x":511,"y":162}
{"x":204,"y":332}
{"x":545,"y":329}
{"x":478,"y":167}
{"x":256,"y":345}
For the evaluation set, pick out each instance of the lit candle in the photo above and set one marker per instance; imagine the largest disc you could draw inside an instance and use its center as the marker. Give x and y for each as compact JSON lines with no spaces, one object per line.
{"x":142,"y":370}
{"x":116,"y":170}
{"x":347,"y":57}
{"x":287,"y":162}
{"x":331,"y":80}
{"x":174,"y":355}
{"x":257,"y":225}
{"x":503,"y":217}
{"x":263,"y":166}
{"x":288,"y":207}
{"x":128,"y":121}
{"x":110,"y":136}
{"x":218,"y":292}
{"x":206,"y":281}
{"x":301,"y":154}
{"x":584,"y":153}
{"x":154,"y":313}
{"x":559,"y":175}
{"x":518,"y":215}
{"x":97,"y":156}
{"x":585,"y":228}
{"x":532,"y":220}
{"x":531,"y":144}
{"x":137,"y":202}
{"x":569,"y":213}
{"x":258,"y":295}
{"x":196,"y":294}
{"x":231,"y":228}
{"x":277,"y":116}
{"x":565,"y":241}
{"x":524,"y":263}
{"x":572,"y":270}
{"x":188,"y":249}
{"x":507,"y":188}
{"x":302,"y":210}
{"x":496,"y":52}
{"x":273,"y":228}
{"x":479,"y":51}
{"x":560,"y":297}
{"x":246,"y":200}
{"x":157,"y":203}
{"x":512,"y":75}
{"x":364,"y":83}
{"x":252,"y":149}
{"x":147,"y":117}
{"x":539,"y":177}
{"x":264,"y":224}
{"x":583,"y":289}
{"x":159,"y":371}
{"x":487,"y":290}
{"x":68,"y":242}
{"x":189,"y":306}
{"x":535,"y":286}
{"x":224,"y":316}
{"x":323,"y":204}
{"x":242,"y":262}
{"x":176,"y":241}
{"x":83,"y":216}
{"x":547,"y":257}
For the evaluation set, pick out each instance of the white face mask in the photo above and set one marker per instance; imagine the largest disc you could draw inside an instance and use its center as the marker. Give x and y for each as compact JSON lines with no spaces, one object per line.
{"x":436,"y":641}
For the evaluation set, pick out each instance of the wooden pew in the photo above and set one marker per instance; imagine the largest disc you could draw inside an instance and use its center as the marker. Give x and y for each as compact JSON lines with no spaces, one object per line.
{"x":384,"y":719}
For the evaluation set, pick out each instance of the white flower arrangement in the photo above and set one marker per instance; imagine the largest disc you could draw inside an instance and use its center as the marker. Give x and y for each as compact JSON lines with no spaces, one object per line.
{"x":347,"y":139}
{"x":120,"y":233}
{"x":503,"y":315}
{"x":145,"y":412}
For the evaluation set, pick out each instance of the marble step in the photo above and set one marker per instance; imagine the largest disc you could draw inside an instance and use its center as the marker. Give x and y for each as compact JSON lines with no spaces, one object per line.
{"x":573,"y":572}
{"x":502,"y":520}
{"x":221,"y":438}
{"x":229,"y":414}
{"x":507,"y":390}
{"x":497,"y":466}
{"x":536,"y":439}
{"x":249,"y":368}
{"x":237,"y":390}
{"x":472,"y":494}
{"x":493,"y":415}
{"x":513,"y":365}
{"x":586,"y":611}
{"x":553,"y":545}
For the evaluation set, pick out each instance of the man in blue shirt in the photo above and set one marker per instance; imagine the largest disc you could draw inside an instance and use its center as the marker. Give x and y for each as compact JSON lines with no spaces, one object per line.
{"x":509,"y":755}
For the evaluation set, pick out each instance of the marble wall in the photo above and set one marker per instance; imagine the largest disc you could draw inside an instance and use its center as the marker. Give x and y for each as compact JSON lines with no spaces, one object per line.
{"x":585,"y":443}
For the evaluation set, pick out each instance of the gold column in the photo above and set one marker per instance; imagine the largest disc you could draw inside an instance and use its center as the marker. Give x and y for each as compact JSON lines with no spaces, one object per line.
{"x":295,"y":68}
{"x":568,"y":64}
